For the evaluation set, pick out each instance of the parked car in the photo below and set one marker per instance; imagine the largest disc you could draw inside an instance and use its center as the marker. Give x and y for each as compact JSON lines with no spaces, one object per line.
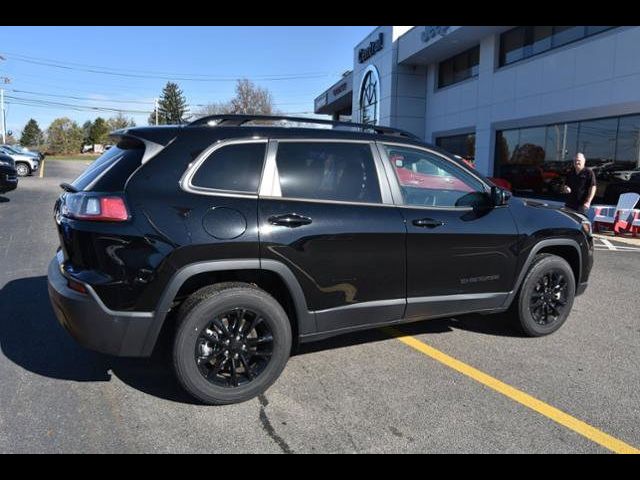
{"x":19,"y":150}
{"x":25,"y":164}
{"x":241,"y":240}
{"x":616,"y":188}
{"x":8,"y":175}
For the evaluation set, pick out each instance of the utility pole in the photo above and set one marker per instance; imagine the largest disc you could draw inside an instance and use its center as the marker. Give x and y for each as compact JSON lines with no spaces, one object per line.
{"x":156,"y":109}
{"x":4,"y":120}
{"x":4,"y":80}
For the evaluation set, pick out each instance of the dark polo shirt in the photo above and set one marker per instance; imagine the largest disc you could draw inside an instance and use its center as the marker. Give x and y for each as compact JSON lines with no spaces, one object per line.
{"x":580,"y":184}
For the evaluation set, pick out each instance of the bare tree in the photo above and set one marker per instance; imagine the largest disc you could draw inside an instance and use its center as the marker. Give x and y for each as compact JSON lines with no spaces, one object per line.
{"x":249,"y":100}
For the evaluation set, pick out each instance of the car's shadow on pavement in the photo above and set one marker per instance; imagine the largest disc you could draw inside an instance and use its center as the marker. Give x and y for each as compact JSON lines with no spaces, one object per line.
{"x":4,"y":199}
{"x":31,"y":337}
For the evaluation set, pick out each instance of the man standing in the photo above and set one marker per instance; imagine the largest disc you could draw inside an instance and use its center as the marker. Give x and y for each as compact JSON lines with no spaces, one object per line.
{"x":580,"y":185}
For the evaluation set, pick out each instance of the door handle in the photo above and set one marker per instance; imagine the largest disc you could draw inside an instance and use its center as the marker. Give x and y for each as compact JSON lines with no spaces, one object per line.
{"x":290,"y":220}
{"x":428,"y":223}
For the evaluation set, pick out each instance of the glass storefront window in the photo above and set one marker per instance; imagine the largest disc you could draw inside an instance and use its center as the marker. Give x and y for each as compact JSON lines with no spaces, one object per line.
{"x":628,"y":145}
{"x":564,"y":35}
{"x":459,"y":67}
{"x":597,"y":140}
{"x":561,"y":142}
{"x":535,"y":160}
{"x":512,"y":46}
{"x":462,"y":145}
{"x":523,"y":42}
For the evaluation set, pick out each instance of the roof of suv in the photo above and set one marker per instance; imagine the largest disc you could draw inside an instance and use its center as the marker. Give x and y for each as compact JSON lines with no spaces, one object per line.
{"x":245,"y":125}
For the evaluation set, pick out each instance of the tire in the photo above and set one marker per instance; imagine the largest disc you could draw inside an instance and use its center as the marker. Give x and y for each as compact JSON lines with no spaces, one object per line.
{"x":23,"y":169}
{"x":526,"y":311}
{"x":198,"y":335}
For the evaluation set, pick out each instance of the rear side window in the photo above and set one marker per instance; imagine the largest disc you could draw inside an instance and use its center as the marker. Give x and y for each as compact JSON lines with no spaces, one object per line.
{"x":234,"y":167}
{"x":328,"y":171}
{"x":110,"y":172}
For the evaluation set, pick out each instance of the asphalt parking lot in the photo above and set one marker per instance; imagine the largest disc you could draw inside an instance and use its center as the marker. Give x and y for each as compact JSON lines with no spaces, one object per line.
{"x":457,"y":385}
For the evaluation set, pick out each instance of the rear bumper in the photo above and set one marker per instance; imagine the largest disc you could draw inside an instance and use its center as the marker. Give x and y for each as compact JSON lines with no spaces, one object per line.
{"x":8,"y":181}
{"x":92,"y":324}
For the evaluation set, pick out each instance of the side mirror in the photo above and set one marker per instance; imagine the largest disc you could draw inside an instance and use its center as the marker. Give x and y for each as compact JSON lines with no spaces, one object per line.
{"x":499,"y":196}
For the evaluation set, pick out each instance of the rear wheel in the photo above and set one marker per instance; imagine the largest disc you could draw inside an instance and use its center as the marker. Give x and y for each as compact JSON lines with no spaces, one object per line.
{"x":22,"y":169}
{"x":232,"y":342}
{"x":546,"y":296}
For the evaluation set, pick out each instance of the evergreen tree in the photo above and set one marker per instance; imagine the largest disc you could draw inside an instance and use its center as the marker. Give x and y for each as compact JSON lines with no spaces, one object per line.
{"x":31,"y":135}
{"x":172,"y":107}
{"x":99,"y":132}
{"x":86,"y":132}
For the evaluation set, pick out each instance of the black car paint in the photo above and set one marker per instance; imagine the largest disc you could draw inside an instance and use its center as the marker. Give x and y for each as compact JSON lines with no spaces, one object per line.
{"x":8,"y":175}
{"x":353,"y":266}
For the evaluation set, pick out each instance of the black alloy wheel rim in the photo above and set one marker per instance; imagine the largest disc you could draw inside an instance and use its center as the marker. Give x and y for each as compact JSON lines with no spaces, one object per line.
{"x":234,"y":348}
{"x":549,"y":297}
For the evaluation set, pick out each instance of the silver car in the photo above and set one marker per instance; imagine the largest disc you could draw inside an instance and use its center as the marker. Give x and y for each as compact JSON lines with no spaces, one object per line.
{"x":25,"y":164}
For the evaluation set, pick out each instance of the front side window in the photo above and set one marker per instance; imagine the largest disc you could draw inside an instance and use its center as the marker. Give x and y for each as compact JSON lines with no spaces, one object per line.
{"x":428,"y":180}
{"x":234,"y":167}
{"x":328,"y":171}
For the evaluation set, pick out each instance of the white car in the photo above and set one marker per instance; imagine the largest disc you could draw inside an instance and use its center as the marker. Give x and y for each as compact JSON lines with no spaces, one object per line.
{"x":25,"y":164}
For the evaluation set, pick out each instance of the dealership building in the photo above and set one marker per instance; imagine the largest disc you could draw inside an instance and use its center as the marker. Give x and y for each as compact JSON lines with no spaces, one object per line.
{"x":518,"y":101}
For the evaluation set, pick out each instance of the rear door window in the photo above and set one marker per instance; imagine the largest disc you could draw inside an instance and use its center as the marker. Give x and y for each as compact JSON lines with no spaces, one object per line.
{"x":328,"y":171}
{"x":236,"y":167}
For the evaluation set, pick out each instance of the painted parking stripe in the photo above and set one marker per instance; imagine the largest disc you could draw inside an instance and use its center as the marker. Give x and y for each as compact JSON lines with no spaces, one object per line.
{"x":558,"y":416}
{"x":608,"y":244}
{"x":618,"y":249}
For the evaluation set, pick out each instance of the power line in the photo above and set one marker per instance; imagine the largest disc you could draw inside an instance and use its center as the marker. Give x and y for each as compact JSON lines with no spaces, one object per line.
{"x":164,"y":77}
{"x":19,"y":56}
{"x":82,"y":98}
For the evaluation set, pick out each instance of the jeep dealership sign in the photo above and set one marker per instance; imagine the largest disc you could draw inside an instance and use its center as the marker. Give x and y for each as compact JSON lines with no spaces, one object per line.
{"x":374,"y":47}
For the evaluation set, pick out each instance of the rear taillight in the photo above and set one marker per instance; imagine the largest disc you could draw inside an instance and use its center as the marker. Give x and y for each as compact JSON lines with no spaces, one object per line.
{"x":95,"y":207}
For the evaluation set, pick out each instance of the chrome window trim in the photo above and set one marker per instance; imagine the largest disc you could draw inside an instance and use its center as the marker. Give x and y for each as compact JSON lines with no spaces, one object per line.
{"x":270,"y":184}
{"x":186,"y":180}
{"x":337,"y":202}
{"x":271,"y":180}
{"x":396,"y":183}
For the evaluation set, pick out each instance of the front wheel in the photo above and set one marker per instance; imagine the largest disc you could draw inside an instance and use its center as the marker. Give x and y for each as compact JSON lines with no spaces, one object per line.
{"x":22,"y":169}
{"x":546,"y":296}
{"x":232,"y":342}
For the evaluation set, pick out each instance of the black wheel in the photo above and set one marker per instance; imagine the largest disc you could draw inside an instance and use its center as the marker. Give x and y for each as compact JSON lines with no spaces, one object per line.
{"x":232,"y":342}
{"x":22,"y":169}
{"x":546,"y":296}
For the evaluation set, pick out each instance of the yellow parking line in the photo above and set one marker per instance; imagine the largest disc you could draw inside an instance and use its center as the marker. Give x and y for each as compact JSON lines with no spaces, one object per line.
{"x":542,"y":408}
{"x":42,"y":169}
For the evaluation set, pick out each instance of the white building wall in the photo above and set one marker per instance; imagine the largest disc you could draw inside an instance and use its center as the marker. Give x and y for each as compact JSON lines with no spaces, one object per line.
{"x":595,"y":77}
{"x":402,"y":88}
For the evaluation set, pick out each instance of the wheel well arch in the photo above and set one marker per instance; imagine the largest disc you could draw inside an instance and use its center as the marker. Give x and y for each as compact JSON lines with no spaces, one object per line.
{"x":565,"y":248}
{"x":273,"y":277}
{"x":567,"y":252}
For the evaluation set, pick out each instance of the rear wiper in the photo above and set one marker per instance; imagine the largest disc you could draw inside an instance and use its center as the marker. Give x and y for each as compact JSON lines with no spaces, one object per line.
{"x":67,"y":187}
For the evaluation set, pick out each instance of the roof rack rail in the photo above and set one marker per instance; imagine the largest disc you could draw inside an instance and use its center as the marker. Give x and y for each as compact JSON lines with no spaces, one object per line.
{"x":238,"y":120}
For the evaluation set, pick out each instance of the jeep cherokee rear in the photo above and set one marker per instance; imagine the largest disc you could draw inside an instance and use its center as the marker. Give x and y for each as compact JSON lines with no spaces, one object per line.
{"x":249,"y":238}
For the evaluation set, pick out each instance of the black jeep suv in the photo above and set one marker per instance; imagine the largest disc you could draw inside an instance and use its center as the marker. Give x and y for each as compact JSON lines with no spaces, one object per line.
{"x":243,"y":237}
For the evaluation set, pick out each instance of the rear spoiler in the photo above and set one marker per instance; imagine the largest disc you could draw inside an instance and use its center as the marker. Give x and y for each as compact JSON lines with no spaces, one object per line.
{"x":155,"y":139}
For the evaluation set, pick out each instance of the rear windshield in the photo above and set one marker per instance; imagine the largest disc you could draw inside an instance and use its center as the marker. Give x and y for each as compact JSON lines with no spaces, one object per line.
{"x":110,"y":171}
